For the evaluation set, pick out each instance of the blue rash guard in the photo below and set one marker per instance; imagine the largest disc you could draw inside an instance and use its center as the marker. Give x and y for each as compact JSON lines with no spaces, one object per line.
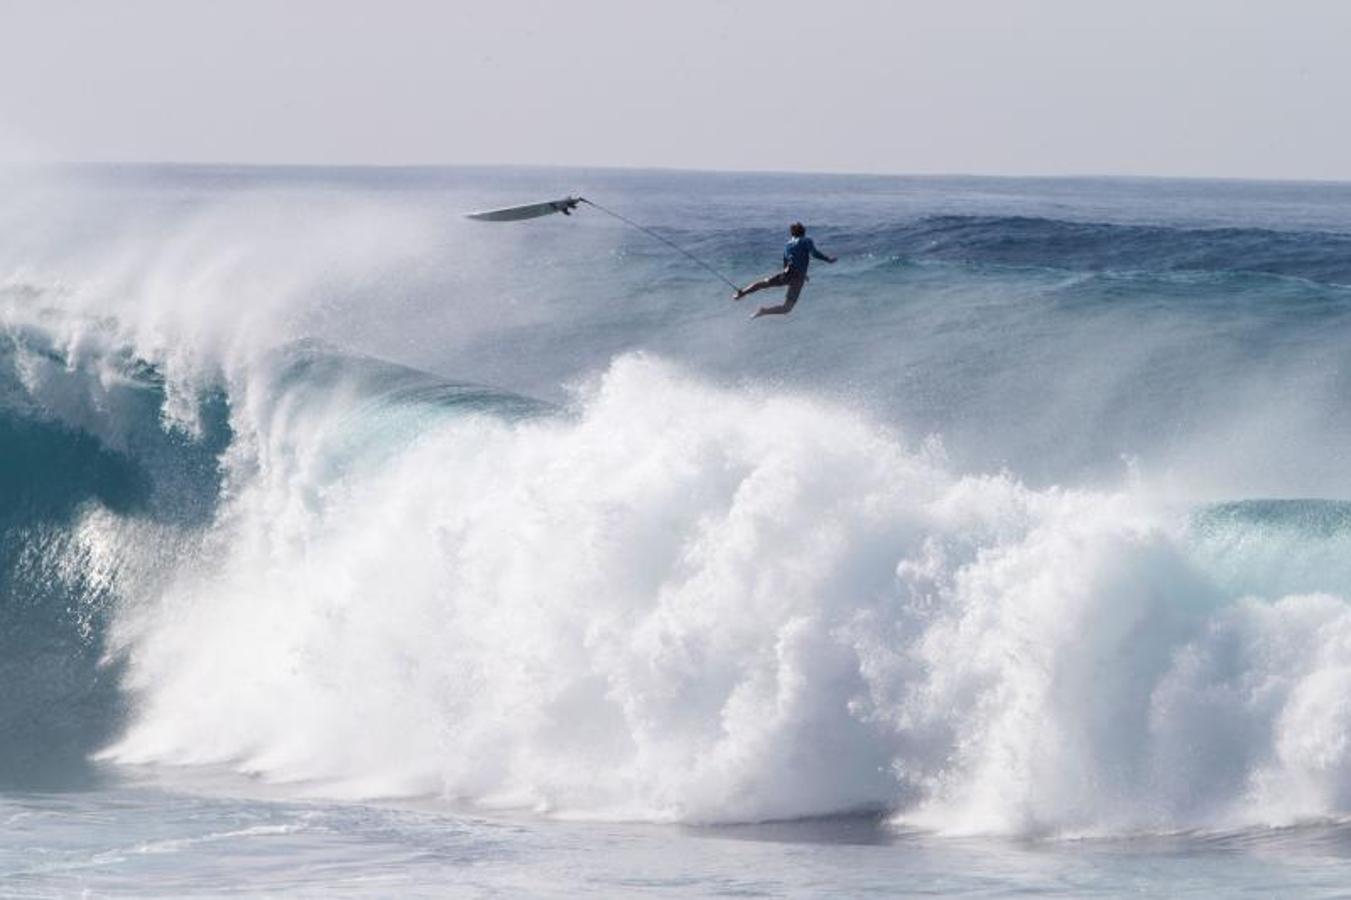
{"x":797,"y":254}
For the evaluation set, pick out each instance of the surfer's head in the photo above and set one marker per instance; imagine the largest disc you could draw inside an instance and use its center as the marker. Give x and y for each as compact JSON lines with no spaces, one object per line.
{"x":797,"y":229}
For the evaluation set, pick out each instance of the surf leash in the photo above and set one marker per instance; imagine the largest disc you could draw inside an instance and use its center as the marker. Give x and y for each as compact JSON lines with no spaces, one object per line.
{"x":670,"y":243}
{"x":568,"y":204}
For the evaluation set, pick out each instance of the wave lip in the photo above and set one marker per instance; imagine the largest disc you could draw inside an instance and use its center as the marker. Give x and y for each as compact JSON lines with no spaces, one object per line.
{"x":112,"y":488}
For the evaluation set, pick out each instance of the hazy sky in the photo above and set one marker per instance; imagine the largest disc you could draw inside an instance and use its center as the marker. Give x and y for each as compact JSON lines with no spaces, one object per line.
{"x":1152,"y":87}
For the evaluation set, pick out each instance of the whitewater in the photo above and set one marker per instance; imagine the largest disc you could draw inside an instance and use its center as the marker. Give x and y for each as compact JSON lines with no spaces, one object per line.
{"x":350,"y":548}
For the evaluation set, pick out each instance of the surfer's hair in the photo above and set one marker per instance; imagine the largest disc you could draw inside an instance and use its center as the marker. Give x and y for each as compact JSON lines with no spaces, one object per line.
{"x":797,"y":229}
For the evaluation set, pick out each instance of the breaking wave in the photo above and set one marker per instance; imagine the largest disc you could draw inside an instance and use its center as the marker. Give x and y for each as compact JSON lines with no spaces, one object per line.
{"x":666,"y":600}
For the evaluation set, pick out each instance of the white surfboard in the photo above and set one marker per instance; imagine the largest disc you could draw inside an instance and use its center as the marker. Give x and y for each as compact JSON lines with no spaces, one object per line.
{"x":530,"y":211}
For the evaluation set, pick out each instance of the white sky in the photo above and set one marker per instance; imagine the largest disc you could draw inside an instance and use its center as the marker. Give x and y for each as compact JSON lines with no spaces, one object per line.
{"x":1150,"y":87}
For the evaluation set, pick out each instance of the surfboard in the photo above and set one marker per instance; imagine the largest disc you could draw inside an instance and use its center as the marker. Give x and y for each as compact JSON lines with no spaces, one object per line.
{"x":529,"y":211}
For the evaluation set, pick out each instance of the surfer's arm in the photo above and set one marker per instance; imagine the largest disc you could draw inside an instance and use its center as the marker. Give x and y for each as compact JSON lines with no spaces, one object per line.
{"x":822,"y":256}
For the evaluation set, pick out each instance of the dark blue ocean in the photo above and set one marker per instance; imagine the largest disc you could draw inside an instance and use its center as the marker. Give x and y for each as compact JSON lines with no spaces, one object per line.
{"x":349,"y":547}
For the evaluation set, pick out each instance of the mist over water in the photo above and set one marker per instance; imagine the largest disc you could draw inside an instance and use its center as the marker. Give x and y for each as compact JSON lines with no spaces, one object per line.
{"x":1030,"y":521}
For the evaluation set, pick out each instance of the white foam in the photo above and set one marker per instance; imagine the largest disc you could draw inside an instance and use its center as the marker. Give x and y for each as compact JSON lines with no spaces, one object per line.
{"x":685,"y":602}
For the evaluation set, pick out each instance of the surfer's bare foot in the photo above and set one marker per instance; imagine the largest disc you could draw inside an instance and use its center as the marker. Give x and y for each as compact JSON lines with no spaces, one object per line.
{"x":758,"y":313}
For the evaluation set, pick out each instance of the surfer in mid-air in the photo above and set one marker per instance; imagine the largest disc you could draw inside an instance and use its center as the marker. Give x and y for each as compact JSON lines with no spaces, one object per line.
{"x":797,"y":254}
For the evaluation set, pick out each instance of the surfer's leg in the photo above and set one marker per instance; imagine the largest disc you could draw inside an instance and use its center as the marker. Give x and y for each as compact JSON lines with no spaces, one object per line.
{"x":774,"y":280}
{"x":789,"y":300}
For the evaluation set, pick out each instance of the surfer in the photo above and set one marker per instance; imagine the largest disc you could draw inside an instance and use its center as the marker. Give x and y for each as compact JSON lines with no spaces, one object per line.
{"x":797,"y":254}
